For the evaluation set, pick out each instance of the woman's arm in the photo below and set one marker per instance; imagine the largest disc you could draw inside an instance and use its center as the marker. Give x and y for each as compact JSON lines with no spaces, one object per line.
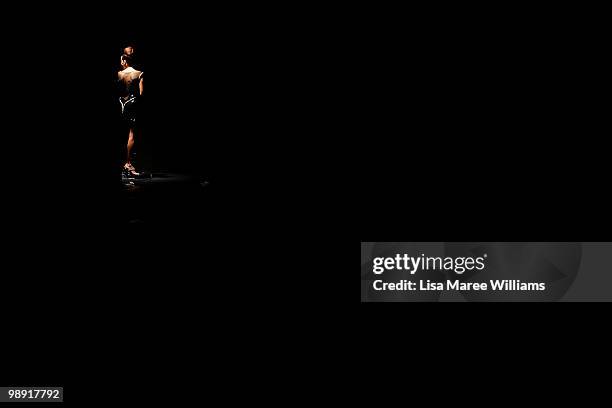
{"x":140,"y":86}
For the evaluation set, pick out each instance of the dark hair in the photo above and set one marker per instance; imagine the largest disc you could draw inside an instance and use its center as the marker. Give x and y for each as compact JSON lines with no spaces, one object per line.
{"x":128,"y":59}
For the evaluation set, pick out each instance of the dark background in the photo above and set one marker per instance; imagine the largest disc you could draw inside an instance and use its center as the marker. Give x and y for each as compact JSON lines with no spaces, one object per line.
{"x":485,"y":132}
{"x":433,"y":109}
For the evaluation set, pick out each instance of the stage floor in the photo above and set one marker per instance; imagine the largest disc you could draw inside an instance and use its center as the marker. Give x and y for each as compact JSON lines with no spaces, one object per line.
{"x":165,"y":198}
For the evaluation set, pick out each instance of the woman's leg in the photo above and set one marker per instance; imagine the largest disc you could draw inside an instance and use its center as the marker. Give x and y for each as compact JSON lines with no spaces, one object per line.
{"x":130,"y":144}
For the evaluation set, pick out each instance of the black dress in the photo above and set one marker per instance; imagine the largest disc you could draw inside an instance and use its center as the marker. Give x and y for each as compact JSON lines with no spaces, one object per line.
{"x":129,"y":91}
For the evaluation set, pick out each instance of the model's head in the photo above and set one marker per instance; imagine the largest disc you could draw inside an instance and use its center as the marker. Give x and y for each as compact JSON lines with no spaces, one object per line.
{"x":126,"y":60}
{"x":129,"y":50}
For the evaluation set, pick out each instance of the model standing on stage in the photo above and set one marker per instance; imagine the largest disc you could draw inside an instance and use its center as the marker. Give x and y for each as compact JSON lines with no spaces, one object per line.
{"x":131,"y":89}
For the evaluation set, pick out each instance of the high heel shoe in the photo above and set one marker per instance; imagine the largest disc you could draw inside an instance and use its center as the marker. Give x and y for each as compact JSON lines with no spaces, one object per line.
{"x":129,"y":171}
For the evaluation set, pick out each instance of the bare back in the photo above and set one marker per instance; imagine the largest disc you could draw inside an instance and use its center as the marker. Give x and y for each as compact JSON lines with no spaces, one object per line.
{"x":129,"y":81}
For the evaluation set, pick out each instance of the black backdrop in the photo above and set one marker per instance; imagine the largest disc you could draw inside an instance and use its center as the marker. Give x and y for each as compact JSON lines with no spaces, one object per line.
{"x":62,"y":151}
